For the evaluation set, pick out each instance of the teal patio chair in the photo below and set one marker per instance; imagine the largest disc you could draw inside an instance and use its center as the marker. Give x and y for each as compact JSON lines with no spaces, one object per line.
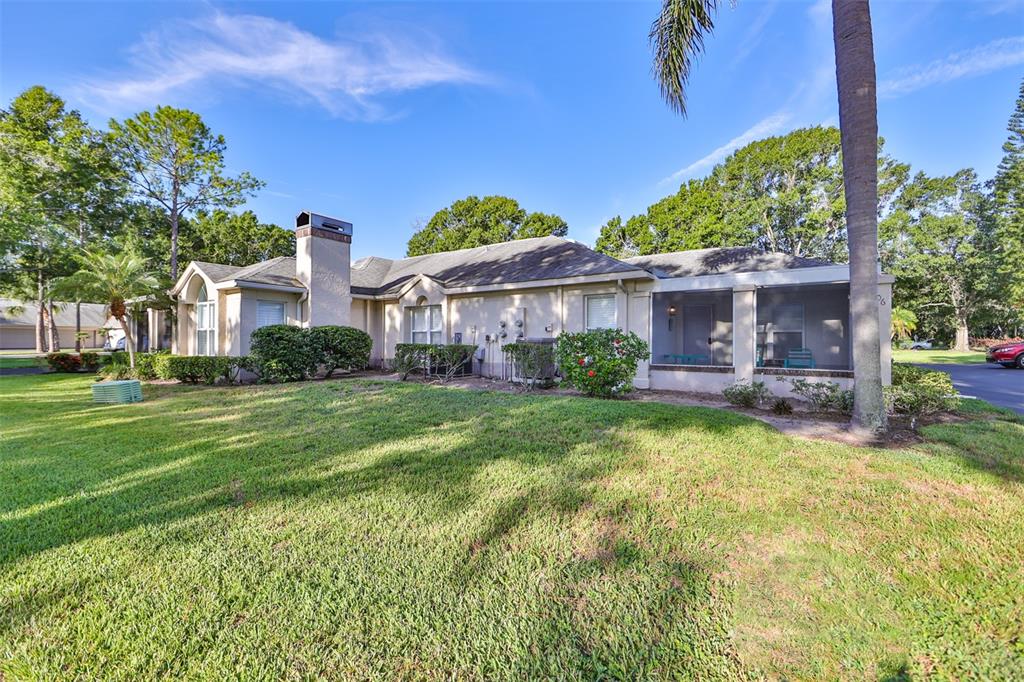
{"x":800,"y":358}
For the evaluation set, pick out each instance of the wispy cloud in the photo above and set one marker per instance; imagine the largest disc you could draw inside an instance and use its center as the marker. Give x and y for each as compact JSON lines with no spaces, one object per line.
{"x":766,"y":126}
{"x":347,"y":76}
{"x":754,"y":34}
{"x":998,"y":54}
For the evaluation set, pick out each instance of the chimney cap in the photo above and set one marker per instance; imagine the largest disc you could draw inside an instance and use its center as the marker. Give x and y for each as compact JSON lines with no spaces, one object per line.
{"x":310,"y":219}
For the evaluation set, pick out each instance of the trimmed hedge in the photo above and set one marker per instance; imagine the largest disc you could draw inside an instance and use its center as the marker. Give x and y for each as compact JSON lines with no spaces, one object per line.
{"x":534,"y":362}
{"x":602,"y":362}
{"x":197,"y":369}
{"x":281,"y":352}
{"x":345,"y":348}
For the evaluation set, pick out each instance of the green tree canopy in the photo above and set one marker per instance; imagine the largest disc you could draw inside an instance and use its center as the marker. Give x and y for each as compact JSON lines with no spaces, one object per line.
{"x":59,"y":192}
{"x":935,"y":245}
{"x":237,"y":238}
{"x":1008,"y":209}
{"x":782,"y":193}
{"x":175,"y":161}
{"x":474,"y":222}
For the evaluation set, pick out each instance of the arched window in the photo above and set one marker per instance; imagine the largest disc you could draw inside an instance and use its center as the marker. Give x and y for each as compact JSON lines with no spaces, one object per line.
{"x":206,"y":324}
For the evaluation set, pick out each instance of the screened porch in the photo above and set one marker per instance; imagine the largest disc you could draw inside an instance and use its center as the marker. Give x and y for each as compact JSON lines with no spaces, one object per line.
{"x":692,"y":328}
{"x":803,"y":327}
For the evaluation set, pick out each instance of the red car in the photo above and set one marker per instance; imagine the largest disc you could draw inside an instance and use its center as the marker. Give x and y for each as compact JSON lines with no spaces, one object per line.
{"x":1007,"y":355}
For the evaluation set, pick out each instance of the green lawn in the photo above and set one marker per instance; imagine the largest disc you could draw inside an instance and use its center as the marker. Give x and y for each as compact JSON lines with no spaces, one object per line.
{"x":357,"y":530}
{"x":9,"y":363}
{"x":939,"y":357}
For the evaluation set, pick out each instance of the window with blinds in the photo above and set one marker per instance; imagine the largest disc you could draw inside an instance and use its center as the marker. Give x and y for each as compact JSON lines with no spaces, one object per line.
{"x":269,"y":312}
{"x":600,"y":311}
{"x":426,"y":324}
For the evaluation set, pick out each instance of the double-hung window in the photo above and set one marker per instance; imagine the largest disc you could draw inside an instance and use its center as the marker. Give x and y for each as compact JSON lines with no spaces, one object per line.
{"x":426,"y":324}
{"x":269,"y":312}
{"x":600,"y":312}
{"x":206,"y":324}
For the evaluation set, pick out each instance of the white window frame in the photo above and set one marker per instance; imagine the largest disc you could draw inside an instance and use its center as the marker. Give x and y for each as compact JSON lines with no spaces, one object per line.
{"x":206,"y":309}
{"x":433,"y":336}
{"x":277,"y":304}
{"x":586,"y":311}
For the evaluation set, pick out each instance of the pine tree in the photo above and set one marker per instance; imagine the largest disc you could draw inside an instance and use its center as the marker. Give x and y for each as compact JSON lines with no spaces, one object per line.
{"x":1008,"y":199}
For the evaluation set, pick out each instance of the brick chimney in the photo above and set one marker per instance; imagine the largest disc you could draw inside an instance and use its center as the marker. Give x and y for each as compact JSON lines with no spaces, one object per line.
{"x":322,"y":264}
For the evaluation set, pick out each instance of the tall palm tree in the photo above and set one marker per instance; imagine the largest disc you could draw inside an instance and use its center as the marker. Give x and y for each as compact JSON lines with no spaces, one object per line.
{"x":677,"y":36}
{"x":116,"y":280}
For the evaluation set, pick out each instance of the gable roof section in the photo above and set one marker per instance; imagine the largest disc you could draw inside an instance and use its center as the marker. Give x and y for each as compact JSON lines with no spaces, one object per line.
{"x":720,"y":261}
{"x":279,"y":271}
{"x":521,"y":260}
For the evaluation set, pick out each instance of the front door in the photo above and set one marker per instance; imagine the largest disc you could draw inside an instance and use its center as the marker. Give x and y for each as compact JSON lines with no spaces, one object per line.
{"x":697,"y":325}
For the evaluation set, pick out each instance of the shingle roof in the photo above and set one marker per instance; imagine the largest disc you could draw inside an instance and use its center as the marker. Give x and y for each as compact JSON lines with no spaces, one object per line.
{"x":280,"y":271}
{"x":216,"y":271}
{"x":93,"y":314}
{"x":522,"y":260}
{"x":719,"y":261}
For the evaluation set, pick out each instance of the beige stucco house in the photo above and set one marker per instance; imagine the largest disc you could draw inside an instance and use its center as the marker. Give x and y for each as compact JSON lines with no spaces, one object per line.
{"x":711,"y":316}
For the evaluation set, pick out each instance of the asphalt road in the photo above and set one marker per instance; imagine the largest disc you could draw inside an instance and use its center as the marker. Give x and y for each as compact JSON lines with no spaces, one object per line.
{"x":994,"y":383}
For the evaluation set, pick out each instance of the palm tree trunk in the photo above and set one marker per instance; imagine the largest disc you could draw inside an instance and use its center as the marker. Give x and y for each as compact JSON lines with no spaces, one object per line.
{"x":858,"y":123}
{"x":129,"y":341}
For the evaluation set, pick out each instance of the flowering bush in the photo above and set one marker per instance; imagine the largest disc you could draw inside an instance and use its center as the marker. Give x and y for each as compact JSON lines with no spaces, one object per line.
{"x":64,"y":362}
{"x":601,"y":362}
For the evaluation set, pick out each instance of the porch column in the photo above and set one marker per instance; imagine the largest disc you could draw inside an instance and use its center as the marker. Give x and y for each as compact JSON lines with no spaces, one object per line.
{"x":884,"y":325}
{"x":154,"y":328}
{"x":640,"y":324}
{"x":744,"y":319}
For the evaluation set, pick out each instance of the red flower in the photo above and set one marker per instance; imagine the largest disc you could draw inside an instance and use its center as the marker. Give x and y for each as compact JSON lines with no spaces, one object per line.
{"x":582,"y":362}
{"x":591,"y":373}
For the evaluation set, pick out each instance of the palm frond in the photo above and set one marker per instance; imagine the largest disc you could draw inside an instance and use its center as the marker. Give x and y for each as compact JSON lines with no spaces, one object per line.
{"x":677,"y":38}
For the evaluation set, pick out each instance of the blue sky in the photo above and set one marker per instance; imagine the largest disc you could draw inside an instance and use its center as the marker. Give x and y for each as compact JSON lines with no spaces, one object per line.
{"x":381,"y":114}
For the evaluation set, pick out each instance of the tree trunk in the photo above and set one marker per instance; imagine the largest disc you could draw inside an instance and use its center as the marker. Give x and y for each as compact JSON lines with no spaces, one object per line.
{"x":963,"y":341}
{"x":53,"y":333}
{"x":78,"y":327}
{"x":129,"y":341}
{"x":858,"y":124}
{"x":40,"y":314}
{"x":174,"y":233}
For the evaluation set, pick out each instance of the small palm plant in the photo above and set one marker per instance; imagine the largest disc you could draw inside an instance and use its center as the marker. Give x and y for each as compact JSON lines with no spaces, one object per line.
{"x":116,"y":280}
{"x":904,"y":322}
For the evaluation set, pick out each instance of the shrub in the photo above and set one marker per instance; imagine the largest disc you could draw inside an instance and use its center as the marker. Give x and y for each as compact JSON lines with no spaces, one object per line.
{"x":118,"y":357}
{"x":409,"y":357}
{"x":602,"y":362}
{"x":781,"y":406}
{"x":195,"y":369}
{"x":450,"y":360}
{"x":90,"y":361}
{"x":534,"y":362}
{"x":445,"y":361}
{"x":281,"y":352}
{"x":64,"y":362}
{"x":116,"y":371}
{"x":826,"y":396}
{"x":146,"y":365}
{"x":746,"y":395}
{"x":916,"y":391}
{"x":344,"y":348}
{"x":984,"y":343}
